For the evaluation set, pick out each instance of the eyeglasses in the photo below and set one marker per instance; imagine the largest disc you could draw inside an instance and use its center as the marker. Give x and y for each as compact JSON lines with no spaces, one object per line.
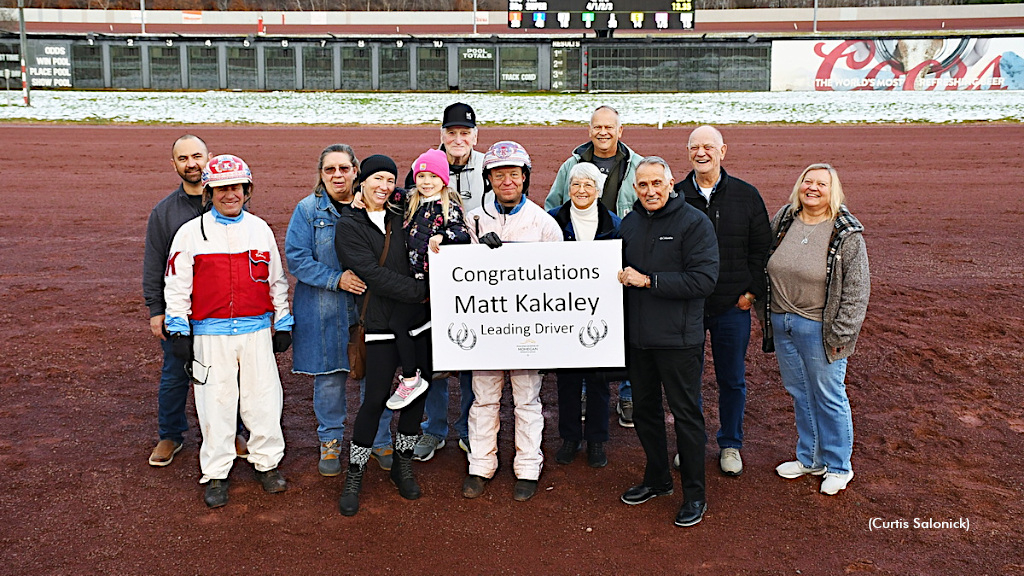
{"x":584,"y":185}
{"x":330,"y":170}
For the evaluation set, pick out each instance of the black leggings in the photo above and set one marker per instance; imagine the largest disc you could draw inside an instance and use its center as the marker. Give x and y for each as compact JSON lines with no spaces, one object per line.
{"x":405,"y":316}
{"x":381,"y":363}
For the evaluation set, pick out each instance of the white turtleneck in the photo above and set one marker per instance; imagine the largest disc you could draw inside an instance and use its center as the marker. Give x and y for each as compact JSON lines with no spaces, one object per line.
{"x":584,"y":222}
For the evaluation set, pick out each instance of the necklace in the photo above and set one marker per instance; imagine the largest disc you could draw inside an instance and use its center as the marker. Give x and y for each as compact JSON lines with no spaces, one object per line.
{"x":808,"y":230}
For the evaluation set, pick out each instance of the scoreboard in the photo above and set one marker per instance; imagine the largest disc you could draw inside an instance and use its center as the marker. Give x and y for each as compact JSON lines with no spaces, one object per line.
{"x":601,"y":14}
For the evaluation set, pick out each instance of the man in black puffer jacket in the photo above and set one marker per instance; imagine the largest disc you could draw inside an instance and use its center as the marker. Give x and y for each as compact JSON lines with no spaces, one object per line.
{"x":738,"y":214}
{"x":671,"y":265}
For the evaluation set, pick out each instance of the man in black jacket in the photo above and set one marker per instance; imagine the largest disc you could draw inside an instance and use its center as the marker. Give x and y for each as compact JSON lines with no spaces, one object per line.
{"x":189,"y":155}
{"x":671,"y":266}
{"x":738,"y":214}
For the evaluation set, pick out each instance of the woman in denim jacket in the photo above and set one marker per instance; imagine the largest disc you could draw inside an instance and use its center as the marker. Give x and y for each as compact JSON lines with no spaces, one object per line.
{"x":323,"y":305}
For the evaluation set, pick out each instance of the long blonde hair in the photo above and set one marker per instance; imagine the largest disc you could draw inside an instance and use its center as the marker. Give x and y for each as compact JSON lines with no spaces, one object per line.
{"x":448,"y":196}
{"x":836,"y":198}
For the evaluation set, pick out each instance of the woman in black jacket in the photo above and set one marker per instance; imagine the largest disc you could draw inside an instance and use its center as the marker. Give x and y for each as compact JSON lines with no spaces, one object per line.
{"x":360,"y":241}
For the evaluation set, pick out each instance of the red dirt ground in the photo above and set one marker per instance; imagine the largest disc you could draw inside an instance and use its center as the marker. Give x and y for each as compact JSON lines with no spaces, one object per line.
{"x":937,"y":408}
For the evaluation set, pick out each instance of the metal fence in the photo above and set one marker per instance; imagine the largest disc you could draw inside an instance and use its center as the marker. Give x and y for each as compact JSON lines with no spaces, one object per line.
{"x":154,"y":63}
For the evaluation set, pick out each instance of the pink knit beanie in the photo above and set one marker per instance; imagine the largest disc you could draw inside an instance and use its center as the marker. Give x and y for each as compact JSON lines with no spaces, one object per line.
{"x":434,"y":161}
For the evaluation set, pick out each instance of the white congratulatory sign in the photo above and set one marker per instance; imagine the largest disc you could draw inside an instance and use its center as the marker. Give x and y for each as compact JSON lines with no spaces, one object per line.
{"x":527,"y":306}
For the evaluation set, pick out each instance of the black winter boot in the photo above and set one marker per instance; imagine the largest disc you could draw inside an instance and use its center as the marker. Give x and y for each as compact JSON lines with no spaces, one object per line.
{"x":402,"y":476}
{"x":348,"y":504}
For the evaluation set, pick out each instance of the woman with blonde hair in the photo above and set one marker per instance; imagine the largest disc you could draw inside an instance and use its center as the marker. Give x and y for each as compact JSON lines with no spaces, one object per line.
{"x":819,"y":284}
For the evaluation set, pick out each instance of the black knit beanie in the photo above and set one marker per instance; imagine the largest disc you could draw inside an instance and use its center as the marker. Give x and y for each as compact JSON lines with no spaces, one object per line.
{"x":376,"y":163}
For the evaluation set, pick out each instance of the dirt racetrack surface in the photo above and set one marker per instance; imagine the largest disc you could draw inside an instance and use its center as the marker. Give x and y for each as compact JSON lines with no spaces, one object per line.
{"x":938,"y":417}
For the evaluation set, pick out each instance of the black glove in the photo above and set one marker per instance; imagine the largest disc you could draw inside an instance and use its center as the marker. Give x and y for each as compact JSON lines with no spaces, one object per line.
{"x":282,"y":341}
{"x":491,"y":239}
{"x":181,"y":347}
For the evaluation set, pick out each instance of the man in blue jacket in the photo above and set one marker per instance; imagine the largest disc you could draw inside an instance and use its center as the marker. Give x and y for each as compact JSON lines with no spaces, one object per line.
{"x":671,"y":265}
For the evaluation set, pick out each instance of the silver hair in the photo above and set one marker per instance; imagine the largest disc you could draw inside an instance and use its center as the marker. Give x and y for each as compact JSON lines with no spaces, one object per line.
{"x":320,"y":188}
{"x":655,"y":161}
{"x":590,"y":172}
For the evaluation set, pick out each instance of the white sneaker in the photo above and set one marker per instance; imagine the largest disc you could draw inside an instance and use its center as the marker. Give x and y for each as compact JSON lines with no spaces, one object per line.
{"x":834,"y":482}
{"x":407,"y":392}
{"x":794,"y":469}
{"x":730,"y":462}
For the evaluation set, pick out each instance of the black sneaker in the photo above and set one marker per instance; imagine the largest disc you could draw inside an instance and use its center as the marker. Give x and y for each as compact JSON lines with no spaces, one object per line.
{"x":567,"y":453}
{"x":524,"y":490}
{"x":640,"y":494}
{"x":595,"y":455}
{"x":272,"y":481}
{"x":216,"y":493}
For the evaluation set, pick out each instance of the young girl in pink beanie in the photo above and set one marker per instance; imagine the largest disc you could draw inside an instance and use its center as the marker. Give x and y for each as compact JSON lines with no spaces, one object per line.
{"x":433,"y":216}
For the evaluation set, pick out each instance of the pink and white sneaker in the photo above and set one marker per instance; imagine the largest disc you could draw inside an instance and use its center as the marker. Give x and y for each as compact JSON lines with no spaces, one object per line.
{"x":407,"y":392}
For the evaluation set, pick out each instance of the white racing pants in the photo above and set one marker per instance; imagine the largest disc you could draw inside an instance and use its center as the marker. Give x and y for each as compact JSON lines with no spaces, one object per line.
{"x":484,"y":423}
{"x":240,"y":374}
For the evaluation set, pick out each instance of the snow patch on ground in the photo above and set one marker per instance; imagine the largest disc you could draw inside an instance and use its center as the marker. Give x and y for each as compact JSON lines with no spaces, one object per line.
{"x":512,"y":109}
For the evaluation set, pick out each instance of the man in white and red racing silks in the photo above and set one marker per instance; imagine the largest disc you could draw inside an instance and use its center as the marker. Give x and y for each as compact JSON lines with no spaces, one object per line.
{"x":224,"y":285}
{"x":509,"y":217}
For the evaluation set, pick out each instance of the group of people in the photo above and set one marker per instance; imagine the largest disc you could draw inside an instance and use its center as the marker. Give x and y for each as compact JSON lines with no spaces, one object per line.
{"x":699,"y":255}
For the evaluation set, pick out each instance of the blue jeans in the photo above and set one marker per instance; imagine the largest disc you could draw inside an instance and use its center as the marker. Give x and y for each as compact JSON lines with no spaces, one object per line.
{"x":436,"y":408}
{"x":171,"y":397}
{"x":331,"y":408}
{"x":730,"y":335}
{"x":625,"y":391}
{"x":824,"y":423}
